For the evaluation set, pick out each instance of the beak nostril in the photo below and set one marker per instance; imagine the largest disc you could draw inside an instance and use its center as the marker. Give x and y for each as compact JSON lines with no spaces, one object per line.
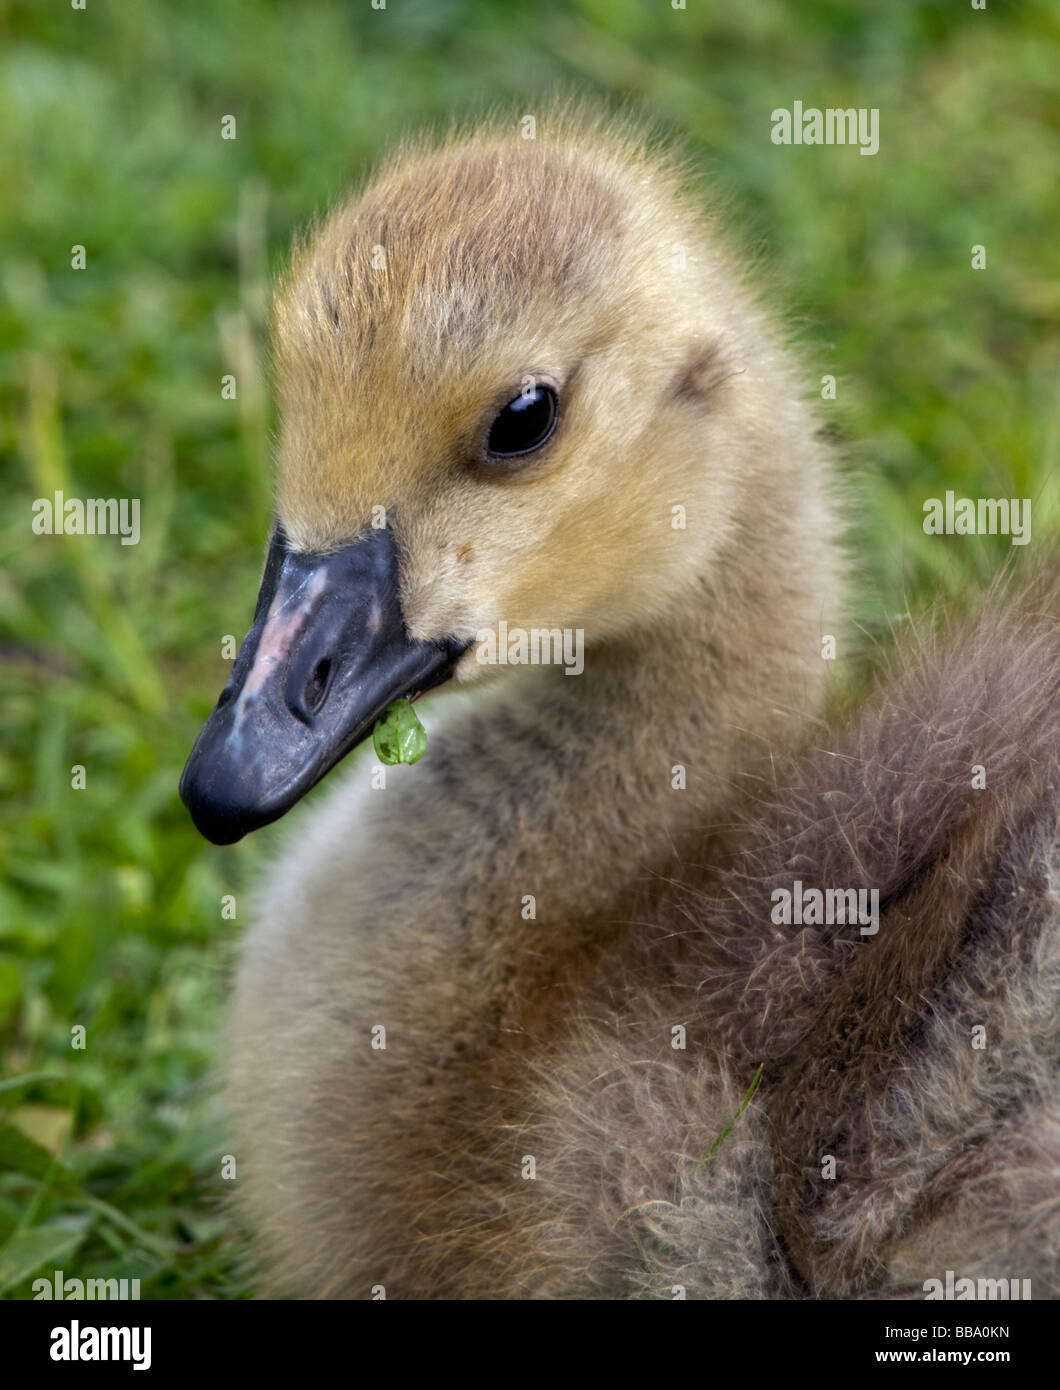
{"x":317,"y":685}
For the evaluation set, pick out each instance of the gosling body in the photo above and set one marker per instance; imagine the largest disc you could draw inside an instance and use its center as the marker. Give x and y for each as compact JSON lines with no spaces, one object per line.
{"x":684,"y":521}
{"x":520,"y":1022}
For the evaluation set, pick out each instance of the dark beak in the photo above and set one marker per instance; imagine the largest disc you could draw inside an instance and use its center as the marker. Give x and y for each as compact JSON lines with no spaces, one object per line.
{"x":328,"y":652}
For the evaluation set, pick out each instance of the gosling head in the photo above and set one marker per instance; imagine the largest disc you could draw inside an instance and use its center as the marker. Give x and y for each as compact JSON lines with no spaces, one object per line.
{"x":498,"y":370}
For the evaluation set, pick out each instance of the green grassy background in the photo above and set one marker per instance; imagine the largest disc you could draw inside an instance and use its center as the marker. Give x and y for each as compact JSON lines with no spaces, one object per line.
{"x":110,"y":385}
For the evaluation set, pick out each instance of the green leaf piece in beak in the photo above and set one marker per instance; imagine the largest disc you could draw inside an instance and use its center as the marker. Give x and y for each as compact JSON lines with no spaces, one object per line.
{"x":399,"y":737}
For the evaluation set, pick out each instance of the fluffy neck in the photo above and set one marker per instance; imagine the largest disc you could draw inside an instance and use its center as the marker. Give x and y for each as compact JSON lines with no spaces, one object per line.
{"x":577,"y":784}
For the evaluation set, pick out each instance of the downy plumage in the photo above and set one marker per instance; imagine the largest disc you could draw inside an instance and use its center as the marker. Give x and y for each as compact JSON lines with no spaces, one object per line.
{"x":580,"y":865}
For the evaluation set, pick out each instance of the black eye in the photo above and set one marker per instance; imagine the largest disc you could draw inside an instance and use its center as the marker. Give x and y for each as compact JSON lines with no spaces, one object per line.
{"x":524,"y":424}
